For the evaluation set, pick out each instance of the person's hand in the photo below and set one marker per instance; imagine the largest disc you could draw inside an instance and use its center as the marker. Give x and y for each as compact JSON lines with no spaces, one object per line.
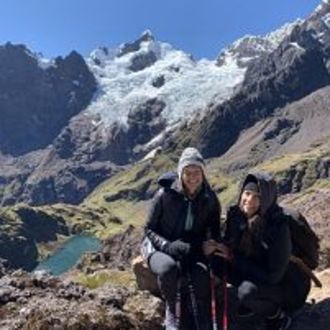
{"x":178,"y":249}
{"x":224,"y":251}
{"x":218,"y":249}
{"x":209,"y":247}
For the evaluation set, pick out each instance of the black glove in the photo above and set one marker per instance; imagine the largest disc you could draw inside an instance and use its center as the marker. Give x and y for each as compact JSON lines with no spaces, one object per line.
{"x":177,"y":249}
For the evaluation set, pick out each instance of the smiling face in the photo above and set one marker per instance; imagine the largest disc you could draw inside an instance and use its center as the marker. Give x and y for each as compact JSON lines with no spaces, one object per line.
{"x":192,"y":178}
{"x":250,"y":202}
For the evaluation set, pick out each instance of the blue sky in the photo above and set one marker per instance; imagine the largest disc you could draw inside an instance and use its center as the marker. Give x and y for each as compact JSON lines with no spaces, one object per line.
{"x":199,"y":27}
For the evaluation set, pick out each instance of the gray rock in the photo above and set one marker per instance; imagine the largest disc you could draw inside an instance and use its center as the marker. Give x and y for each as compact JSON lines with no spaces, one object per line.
{"x":142,"y":61}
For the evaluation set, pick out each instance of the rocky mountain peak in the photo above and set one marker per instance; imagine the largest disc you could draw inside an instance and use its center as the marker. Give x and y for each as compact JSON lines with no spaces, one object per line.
{"x":313,"y":35}
{"x":14,"y":56}
{"x":322,"y":8}
{"x":277,"y":36}
{"x":245,"y":50}
{"x":27,"y":90}
{"x":147,"y":35}
{"x":318,"y":24}
{"x":249,"y":48}
{"x":134,"y":46}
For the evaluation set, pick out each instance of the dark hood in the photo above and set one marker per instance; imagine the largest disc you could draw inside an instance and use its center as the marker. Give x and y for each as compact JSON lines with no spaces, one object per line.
{"x":167,"y":179}
{"x":267,"y":188}
{"x":170,"y":180}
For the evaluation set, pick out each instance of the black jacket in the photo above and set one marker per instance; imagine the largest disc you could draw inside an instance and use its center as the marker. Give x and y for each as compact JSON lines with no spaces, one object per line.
{"x":271,"y":247}
{"x":168,"y":212}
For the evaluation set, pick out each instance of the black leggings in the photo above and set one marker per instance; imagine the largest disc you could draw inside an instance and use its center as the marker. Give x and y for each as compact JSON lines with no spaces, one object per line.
{"x":265,"y":300}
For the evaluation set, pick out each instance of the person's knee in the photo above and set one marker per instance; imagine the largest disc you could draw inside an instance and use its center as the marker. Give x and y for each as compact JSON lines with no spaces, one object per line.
{"x":247,"y":291}
{"x":162,"y":264}
{"x":168,"y":270}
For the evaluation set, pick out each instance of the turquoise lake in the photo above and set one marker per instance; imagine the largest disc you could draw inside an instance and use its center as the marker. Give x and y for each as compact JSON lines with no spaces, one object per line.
{"x":69,"y":254}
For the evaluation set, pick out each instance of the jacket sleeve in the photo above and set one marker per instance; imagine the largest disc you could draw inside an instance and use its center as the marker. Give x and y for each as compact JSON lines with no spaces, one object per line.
{"x":152,"y":227}
{"x":278,"y":253}
{"x":234,"y":220}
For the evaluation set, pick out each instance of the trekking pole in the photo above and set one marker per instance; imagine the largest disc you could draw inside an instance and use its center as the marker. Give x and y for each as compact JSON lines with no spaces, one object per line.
{"x":178,"y":303}
{"x":225,"y":299}
{"x":193,"y":300}
{"x":213,"y":301}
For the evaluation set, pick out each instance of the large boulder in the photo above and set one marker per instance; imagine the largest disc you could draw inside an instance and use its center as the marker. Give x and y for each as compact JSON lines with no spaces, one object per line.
{"x":145,"y":279}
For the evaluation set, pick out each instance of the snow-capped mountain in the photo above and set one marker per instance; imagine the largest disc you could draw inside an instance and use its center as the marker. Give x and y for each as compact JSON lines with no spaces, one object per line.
{"x":152,"y":69}
{"x":146,"y":68}
{"x":249,"y":48}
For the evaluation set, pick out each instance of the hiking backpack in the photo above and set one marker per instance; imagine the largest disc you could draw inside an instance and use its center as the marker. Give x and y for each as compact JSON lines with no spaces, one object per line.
{"x":305,"y":243}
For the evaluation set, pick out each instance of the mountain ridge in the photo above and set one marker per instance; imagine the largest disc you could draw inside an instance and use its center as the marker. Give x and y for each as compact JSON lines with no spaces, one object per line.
{"x":168,"y":102}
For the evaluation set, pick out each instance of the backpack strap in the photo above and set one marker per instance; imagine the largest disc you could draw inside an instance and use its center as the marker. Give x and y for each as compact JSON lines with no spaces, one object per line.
{"x":306,"y":270}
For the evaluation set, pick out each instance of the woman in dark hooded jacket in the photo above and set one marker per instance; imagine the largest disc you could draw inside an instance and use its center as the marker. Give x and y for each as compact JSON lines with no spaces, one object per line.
{"x":184,"y":214}
{"x":258,"y":247}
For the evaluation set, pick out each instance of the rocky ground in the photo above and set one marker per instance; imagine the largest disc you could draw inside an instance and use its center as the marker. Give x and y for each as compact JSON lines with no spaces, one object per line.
{"x":40,"y":301}
{"x":44,"y":302}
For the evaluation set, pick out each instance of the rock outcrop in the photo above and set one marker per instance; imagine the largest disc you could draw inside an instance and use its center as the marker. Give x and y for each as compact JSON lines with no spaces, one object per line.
{"x":19,"y":236}
{"x":39,"y":301}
